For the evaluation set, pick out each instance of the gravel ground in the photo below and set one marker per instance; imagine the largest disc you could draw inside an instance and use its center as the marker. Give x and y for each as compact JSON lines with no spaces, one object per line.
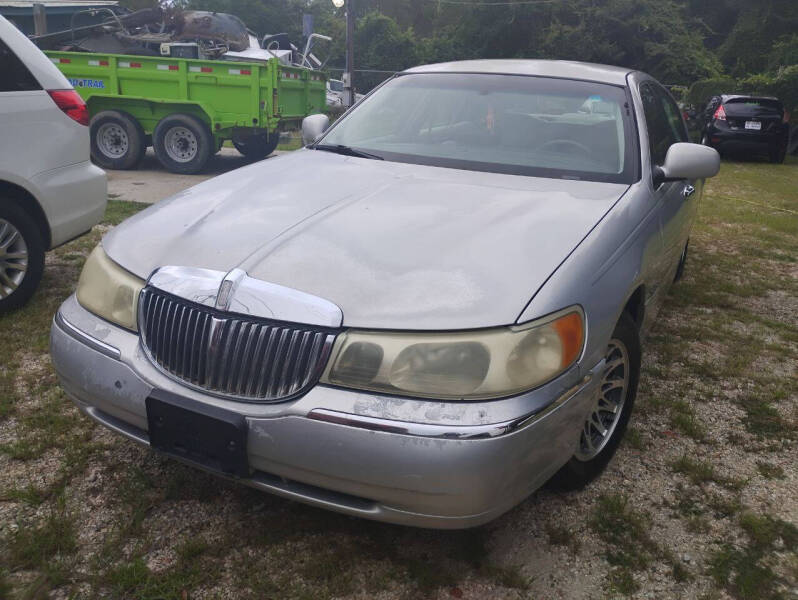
{"x":701,"y":500}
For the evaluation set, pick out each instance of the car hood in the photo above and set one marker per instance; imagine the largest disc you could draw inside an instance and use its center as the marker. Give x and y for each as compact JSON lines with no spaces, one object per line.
{"x":394,"y":245}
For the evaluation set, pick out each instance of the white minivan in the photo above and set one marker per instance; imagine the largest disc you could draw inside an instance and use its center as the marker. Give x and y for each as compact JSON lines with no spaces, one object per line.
{"x":49,"y":191}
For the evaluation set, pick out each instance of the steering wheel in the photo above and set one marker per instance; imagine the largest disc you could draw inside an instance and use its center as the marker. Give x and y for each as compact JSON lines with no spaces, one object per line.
{"x":569,"y":143}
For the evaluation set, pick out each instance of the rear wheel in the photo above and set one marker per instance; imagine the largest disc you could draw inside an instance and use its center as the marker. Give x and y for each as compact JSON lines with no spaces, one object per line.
{"x":182,"y":143}
{"x":257,"y":146}
{"x":21,"y":257}
{"x":778,"y":154}
{"x":117,"y":140}
{"x":682,"y":263}
{"x":606,"y":423}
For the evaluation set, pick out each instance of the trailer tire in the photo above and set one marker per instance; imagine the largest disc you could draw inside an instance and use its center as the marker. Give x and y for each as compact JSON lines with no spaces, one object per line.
{"x":183,"y":143}
{"x":257,"y":146}
{"x":117,"y":140}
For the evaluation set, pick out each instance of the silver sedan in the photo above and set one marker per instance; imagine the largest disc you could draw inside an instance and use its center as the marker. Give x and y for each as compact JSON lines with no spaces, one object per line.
{"x":422,"y":316}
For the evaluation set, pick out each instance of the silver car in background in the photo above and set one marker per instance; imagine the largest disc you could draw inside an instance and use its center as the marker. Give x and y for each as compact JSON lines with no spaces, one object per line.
{"x":422,"y":316}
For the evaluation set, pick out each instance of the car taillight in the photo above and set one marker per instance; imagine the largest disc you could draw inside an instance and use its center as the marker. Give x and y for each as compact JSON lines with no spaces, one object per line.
{"x":786,"y":118}
{"x":720,"y":114}
{"x":72,"y":104}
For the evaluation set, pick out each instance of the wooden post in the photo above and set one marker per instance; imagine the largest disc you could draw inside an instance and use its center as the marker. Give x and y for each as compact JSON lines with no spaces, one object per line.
{"x":39,"y":19}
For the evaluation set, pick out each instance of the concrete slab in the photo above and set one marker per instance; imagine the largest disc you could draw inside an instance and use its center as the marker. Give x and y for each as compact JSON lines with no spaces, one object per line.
{"x":151,"y":182}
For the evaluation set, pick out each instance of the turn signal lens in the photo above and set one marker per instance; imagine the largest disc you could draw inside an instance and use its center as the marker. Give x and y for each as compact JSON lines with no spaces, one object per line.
{"x":488,"y":363}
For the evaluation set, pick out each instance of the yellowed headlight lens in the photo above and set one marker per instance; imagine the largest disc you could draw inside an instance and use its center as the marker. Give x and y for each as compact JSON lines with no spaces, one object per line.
{"x":470,"y":365}
{"x":109,"y":291}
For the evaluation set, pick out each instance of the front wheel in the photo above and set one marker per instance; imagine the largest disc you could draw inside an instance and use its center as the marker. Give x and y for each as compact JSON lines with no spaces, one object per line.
{"x":257,"y":146}
{"x":21,"y":257}
{"x":182,"y":143}
{"x":606,"y":422}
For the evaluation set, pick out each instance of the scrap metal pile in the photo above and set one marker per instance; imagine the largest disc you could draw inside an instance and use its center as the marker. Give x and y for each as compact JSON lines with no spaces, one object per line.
{"x":174,"y":32}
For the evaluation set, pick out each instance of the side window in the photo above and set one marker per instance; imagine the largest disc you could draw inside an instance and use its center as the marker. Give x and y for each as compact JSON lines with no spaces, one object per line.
{"x":663,"y":122}
{"x":674,"y":116}
{"x":15,"y":76}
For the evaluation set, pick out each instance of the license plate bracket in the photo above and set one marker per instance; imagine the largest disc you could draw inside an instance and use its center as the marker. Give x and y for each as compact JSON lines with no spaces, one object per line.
{"x":208,"y":436}
{"x":754,"y":125}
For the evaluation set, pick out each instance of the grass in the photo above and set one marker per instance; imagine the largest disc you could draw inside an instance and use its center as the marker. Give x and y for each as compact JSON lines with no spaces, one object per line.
{"x":626,"y":531}
{"x":745,"y":572}
{"x":718,"y":379}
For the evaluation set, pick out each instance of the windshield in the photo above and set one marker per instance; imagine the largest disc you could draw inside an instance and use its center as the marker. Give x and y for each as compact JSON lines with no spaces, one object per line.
{"x":500,"y":123}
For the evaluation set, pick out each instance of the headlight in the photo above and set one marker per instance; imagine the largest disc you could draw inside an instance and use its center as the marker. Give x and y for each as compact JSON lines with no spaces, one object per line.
{"x":472,"y":365}
{"x":109,"y":291}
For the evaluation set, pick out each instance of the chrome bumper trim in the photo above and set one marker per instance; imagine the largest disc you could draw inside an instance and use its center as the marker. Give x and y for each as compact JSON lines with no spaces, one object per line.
{"x":90,"y":341}
{"x":451,"y":432}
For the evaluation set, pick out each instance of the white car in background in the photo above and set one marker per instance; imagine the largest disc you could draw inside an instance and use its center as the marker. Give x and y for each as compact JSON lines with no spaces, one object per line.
{"x":49,"y":191}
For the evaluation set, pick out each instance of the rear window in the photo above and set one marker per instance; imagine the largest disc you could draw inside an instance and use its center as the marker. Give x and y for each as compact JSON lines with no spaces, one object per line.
{"x":15,"y":76}
{"x":753,"y":107}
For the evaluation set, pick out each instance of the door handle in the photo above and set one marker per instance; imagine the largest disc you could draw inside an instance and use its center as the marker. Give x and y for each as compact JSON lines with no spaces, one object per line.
{"x":688,"y":191}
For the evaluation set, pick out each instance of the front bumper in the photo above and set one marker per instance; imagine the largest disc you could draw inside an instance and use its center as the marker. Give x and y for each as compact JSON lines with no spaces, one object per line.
{"x":412,"y":462}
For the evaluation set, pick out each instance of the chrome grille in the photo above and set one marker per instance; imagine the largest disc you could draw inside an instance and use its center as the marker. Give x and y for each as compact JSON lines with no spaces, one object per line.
{"x":228,"y":354}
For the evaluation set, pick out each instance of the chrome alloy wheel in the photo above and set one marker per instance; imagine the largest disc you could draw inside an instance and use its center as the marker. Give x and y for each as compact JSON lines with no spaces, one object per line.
{"x":606,"y":413}
{"x":112,"y":140}
{"x":181,"y":144}
{"x":13,"y":258}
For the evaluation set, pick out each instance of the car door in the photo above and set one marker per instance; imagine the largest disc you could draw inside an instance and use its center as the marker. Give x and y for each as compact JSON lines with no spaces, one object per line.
{"x":675,"y":199}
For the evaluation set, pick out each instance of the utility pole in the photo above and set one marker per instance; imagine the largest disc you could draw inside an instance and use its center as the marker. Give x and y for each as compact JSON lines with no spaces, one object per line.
{"x":349,"y":86}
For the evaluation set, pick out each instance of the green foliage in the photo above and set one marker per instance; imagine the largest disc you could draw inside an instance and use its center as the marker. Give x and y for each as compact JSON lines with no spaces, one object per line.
{"x":703,"y":89}
{"x":676,"y":41}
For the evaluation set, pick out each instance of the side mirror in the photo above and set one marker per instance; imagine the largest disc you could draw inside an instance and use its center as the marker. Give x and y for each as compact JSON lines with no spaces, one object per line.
{"x":313,"y":126}
{"x":689,"y":161}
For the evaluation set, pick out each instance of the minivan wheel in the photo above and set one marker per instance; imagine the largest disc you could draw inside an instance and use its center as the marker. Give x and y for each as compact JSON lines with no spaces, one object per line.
{"x":21,"y":257}
{"x":117,"y":140}
{"x":182,"y":143}
{"x":606,"y":422}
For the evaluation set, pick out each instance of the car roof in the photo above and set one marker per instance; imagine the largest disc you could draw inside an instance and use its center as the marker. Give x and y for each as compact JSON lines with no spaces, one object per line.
{"x":565,"y":69}
{"x":727,"y":97}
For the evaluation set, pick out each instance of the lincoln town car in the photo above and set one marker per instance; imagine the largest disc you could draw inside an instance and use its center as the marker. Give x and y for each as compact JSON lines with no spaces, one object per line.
{"x":426,"y":313}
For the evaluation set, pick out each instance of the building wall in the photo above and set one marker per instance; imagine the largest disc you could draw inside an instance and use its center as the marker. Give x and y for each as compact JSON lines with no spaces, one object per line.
{"x":58,"y":17}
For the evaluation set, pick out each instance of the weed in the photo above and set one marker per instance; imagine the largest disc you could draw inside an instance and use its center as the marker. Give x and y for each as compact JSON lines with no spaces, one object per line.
{"x":625,"y":531}
{"x":770,"y":471}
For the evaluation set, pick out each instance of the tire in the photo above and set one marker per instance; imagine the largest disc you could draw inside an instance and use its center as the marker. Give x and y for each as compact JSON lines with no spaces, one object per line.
{"x":182,"y":143}
{"x":588,"y":463}
{"x":257,"y":146}
{"x":21,"y":257}
{"x":778,"y":154}
{"x":117,"y":140}
{"x":682,"y":263}
{"x":705,"y":140}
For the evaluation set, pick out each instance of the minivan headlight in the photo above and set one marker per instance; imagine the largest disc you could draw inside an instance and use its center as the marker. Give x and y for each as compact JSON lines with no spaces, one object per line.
{"x":469,"y":365}
{"x":109,"y":291}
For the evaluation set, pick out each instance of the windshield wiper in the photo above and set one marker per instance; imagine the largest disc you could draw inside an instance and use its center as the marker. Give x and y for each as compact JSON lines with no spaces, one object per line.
{"x":346,"y":151}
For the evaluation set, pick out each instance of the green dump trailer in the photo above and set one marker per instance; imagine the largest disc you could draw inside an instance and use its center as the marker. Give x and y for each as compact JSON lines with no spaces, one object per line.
{"x":187,"y":108}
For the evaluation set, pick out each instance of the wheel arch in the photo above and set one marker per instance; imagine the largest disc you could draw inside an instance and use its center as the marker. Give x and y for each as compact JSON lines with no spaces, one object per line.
{"x":636,"y":306}
{"x":27,"y":202}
